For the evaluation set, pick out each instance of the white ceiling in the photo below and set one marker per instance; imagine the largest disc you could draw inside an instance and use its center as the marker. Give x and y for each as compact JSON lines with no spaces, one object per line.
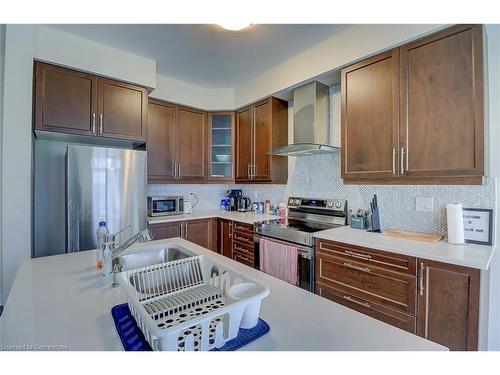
{"x":208,"y":55}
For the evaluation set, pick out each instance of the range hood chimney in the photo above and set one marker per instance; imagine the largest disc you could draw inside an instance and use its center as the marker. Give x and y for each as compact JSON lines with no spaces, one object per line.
{"x":311,"y":134}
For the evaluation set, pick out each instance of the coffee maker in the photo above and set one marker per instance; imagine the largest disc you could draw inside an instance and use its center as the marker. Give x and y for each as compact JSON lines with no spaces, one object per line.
{"x":234,"y":195}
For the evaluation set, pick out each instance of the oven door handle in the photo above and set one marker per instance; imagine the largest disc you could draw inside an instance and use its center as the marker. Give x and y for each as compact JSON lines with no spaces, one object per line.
{"x":305,"y":252}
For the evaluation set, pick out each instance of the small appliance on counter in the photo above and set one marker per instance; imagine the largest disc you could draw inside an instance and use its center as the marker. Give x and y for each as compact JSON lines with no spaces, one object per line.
{"x":244,"y":204}
{"x":163,"y":206}
{"x":374,"y":216}
{"x":233,"y":195}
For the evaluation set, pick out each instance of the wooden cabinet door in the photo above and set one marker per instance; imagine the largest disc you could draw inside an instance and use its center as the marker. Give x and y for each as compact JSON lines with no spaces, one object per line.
{"x":442,"y":125}
{"x":369,"y":117}
{"x":165,"y":230}
{"x":161,"y":143}
{"x":225,"y":238}
{"x":262,"y":133}
{"x":122,"y":110}
{"x":65,"y":100}
{"x":244,"y":143}
{"x":448,"y":305}
{"x":191,"y":145}
{"x":199,"y":232}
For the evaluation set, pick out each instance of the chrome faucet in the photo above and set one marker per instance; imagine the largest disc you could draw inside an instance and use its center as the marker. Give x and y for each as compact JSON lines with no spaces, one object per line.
{"x":110,"y":240}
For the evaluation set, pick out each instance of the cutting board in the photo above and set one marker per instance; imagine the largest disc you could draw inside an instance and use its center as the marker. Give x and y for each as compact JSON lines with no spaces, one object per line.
{"x":417,"y":236}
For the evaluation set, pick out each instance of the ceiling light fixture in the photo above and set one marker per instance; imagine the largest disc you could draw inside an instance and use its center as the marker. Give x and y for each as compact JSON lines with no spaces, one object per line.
{"x":234,"y":26}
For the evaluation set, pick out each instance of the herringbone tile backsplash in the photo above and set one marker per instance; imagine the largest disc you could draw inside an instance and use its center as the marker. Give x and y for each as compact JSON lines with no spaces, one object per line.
{"x":318,"y":176}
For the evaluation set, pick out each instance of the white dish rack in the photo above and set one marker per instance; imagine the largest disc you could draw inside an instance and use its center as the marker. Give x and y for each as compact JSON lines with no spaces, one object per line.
{"x":192,"y":303}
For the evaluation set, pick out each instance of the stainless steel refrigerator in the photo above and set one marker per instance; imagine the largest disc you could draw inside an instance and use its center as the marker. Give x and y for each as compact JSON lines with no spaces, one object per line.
{"x":76,"y":185}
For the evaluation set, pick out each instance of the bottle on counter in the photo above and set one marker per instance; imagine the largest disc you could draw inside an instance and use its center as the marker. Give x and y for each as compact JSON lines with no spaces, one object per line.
{"x":268,"y":207}
{"x":101,"y":232}
{"x":107,"y":257}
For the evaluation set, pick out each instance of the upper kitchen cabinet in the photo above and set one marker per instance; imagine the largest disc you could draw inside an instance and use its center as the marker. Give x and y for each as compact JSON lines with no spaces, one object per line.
{"x":69,"y":101}
{"x":122,"y":110}
{"x":65,"y":100}
{"x":261,"y":128}
{"x":221,"y":146}
{"x":177,"y":143}
{"x":369,"y":117}
{"x":414,"y":115}
{"x":441,"y":105}
{"x":161,"y":143}
{"x":192,"y":145}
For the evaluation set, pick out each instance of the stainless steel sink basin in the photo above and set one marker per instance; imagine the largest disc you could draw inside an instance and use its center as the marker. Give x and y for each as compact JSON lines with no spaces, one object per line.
{"x":150,"y":257}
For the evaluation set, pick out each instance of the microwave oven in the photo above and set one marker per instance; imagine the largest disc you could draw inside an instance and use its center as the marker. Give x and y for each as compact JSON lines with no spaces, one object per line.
{"x":163,"y":206}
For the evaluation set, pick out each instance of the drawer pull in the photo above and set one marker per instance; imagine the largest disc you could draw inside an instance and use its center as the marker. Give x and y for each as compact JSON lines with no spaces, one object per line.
{"x":242,"y":228}
{"x":362,"y":269}
{"x":241,"y":238}
{"x":364,"y":304}
{"x":243,"y":258}
{"x":357,"y":255}
{"x":241,"y":249}
{"x":421,"y":278}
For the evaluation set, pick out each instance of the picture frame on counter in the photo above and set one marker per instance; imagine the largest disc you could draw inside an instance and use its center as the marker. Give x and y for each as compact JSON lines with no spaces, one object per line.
{"x":478,"y":225}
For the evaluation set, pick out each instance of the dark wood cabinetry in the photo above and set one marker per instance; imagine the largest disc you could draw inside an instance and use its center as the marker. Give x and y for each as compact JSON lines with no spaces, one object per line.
{"x":261,"y":128}
{"x":226,"y":238}
{"x":177,"y":143}
{"x":202,"y":232}
{"x":221,"y":155}
{"x":434,"y":300}
{"x":242,"y":244}
{"x":448,"y":305}
{"x":414,"y":115}
{"x":70,"y":101}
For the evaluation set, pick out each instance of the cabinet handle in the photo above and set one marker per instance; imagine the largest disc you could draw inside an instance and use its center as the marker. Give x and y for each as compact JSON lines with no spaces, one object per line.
{"x":178,"y":170}
{"x":402,"y":160}
{"x":93,"y":122}
{"x":241,"y":239}
{"x":421,"y":277}
{"x":364,"y":304}
{"x":242,"y":257}
{"x":248,"y":171}
{"x":393,"y":161}
{"x":236,"y":247}
{"x":186,"y":231}
{"x":254,"y":172}
{"x":174,"y":169}
{"x":357,"y":255}
{"x":365,"y":269}
{"x":231,"y":229}
{"x":100,"y":123}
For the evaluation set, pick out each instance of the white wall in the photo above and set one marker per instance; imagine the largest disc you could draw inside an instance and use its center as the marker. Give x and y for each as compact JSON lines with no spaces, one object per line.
{"x":2,"y":61}
{"x":173,"y":90}
{"x":493,"y":50}
{"x":353,"y":43}
{"x":56,"y":46}
{"x":16,"y":150}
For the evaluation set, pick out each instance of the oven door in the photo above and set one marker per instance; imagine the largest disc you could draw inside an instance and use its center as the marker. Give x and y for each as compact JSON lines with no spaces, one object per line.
{"x":305,"y":261}
{"x":163,"y":207}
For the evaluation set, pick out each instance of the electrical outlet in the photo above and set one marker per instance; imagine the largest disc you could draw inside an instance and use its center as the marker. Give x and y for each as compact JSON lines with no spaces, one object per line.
{"x":424,"y":204}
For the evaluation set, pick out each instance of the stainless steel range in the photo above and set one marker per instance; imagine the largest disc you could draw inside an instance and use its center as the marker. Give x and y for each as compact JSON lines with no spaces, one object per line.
{"x":305,"y":217}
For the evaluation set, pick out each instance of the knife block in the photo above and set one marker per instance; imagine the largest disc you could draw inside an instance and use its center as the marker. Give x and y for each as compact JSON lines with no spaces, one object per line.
{"x":375,"y":221}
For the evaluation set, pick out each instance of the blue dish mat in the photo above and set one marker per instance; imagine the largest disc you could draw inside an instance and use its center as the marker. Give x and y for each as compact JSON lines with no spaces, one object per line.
{"x":133,"y":339}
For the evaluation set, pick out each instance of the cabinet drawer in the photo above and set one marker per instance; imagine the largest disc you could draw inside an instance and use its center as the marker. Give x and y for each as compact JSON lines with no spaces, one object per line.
{"x":387,"y":288}
{"x":243,"y":249}
{"x":243,"y":238}
{"x":381,"y":259}
{"x":375,"y":310}
{"x":243,"y":257}
{"x":242,"y":227}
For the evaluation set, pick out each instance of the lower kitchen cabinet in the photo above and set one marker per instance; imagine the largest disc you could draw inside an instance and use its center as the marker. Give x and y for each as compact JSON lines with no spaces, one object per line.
{"x":437,"y":301}
{"x":242,"y":244}
{"x":226,"y":238}
{"x":448,"y":305}
{"x":202,"y":232}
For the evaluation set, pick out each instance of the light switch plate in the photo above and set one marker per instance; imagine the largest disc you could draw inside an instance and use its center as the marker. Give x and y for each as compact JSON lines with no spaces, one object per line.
{"x":424,"y":204}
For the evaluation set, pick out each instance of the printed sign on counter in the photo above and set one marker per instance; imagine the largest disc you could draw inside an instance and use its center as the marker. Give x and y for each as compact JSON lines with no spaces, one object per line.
{"x":478,"y":224}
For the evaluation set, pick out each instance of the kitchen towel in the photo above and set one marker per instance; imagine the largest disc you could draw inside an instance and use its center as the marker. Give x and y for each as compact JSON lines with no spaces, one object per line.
{"x":455,"y":221}
{"x":279,"y":260}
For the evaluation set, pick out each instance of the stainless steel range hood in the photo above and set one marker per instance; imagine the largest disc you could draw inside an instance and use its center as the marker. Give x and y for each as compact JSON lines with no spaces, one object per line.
{"x":311,"y":133}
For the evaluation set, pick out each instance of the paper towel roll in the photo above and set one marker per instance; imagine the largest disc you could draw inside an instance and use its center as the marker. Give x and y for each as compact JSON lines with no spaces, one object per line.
{"x":455,"y":219}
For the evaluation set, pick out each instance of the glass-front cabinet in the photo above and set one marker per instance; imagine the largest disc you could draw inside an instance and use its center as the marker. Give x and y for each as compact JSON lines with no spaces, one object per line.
{"x":221,"y":163}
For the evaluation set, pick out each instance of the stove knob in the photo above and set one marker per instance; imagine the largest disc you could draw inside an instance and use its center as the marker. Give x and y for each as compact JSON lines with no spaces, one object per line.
{"x":290,"y":201}
{"x":297,"y":201}
{"x":338,"y":204}
{"x":329,"y":204}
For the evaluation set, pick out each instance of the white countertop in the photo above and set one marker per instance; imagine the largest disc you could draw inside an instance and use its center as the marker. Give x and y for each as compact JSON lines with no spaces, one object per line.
{"x":61,"y":300}
{"x":468,"y":255}
{"x":244,"y":217}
